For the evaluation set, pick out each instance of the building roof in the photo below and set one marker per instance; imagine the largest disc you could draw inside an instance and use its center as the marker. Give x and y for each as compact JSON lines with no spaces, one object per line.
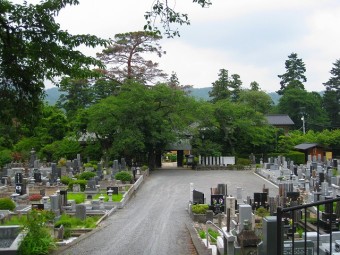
{"x":306,"y":146}
{"x":182,"y":144}
{"x":279,"y":120}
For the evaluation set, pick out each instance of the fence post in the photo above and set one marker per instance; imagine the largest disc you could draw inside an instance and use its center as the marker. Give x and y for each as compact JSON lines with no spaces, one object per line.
{"x":279,"y":230}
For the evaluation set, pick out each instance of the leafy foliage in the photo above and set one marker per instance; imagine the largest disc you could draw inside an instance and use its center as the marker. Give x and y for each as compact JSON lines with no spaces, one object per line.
{"x":167,"y":16}
{"x":87,"y":175}
{"x":38,"y":239}
{"x":125,"y":57}
{"x":7,"y":204}
{"x":294,"y":76}
{"x":34,"y":48}
{"x":199,"y":208}
{"x":123,"y":176}
{"x":226,"y":87}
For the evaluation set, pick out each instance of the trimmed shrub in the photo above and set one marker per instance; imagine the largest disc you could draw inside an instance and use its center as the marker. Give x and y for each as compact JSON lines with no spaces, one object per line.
{"x":7,"y":204}
{"x":296,"y":156}
{"x":199,"y":208}
{"x":65,"y":180}
{"x":123,"y":176}
{"x":82,"y":184}
{"x":243,"y":161}
{"x":87,"y":175}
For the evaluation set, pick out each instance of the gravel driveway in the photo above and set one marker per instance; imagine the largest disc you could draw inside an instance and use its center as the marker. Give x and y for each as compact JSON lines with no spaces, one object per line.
{"x":153,"y":221}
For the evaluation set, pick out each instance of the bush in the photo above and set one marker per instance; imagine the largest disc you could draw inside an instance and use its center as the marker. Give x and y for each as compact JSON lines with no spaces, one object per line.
{"x":65,"y":180}
{"x":144,"y":167}
{"x":123,"y":176}
{"x":38,"y":240}
{"x":199,"y":208}
{"x":82,"y":184}
{"x":35,"y":197}
{"x":243,"y":161}
{"x":5,"y":157}
{"x":296,"y":156}
{"x":7,"y":204}
{"x":87,"y":175}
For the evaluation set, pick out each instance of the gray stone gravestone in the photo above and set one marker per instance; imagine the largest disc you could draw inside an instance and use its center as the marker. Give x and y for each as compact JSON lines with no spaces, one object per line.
{"x":80,"y":212}
{"x":123,"y":164}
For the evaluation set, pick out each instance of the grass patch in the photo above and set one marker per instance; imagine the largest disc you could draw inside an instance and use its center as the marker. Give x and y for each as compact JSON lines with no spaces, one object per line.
{"x":72,"y":222}
{"x":15,"y":220}
{"x":78,"y":197}
{"x":115,"y":198}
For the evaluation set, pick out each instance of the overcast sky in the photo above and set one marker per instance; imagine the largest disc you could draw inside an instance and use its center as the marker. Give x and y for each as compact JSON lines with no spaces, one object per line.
{"x":252,"y":38}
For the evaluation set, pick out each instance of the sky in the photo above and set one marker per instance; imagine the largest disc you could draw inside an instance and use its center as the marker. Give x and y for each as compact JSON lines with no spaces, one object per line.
{"x":252,"y":38}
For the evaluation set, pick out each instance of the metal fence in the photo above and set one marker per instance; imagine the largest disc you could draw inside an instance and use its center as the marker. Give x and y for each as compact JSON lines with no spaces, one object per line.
{"x":298,"y":215}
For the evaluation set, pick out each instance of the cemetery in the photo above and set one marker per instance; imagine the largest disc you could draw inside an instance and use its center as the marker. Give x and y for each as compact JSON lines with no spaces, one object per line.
{"x":71,"y":199}
{"x":307,"y":205}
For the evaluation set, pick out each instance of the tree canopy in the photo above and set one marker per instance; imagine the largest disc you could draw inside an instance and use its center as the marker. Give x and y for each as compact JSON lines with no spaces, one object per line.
{"x":294,"y":75}
{"x":33,"y":48}
{"x":125,"y":57}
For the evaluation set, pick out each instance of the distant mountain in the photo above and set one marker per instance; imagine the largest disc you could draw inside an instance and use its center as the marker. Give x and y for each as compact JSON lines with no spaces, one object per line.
{"x":203,"y":93}
{"x":52,"y":95}
{"x":275,"y":97}
{"x":200,"y":93}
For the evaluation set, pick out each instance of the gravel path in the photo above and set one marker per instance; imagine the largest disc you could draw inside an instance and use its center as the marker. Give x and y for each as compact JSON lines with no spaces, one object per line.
{"x":153,"y":222}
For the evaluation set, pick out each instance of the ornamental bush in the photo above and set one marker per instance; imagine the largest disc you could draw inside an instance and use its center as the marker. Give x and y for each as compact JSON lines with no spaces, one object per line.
{"x":87,"y":175}
{"x":35,"y":197}
{"x":123,"y":176}
{"x":199,"y":208}
{"x":7,"y":204}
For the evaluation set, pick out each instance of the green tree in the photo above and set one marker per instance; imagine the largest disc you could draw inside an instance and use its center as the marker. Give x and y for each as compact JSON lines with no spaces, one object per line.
{"x":294,"y":75}
{"x":33,"y":48}
{"x":331,"y":99}
{"x":228,"y":128}
{"x":140,"y":120}
{"x":225,"y":87}
{"x":167,"y":16}
{"x":258,"y":100}
{"x":78,"y":95}
{"x":254,"y":86}
{"x":297,"y":103}
{"x":124,"y":57}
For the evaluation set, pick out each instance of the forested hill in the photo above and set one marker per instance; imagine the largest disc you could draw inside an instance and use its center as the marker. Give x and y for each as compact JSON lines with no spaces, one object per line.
{"x":53,"y":94}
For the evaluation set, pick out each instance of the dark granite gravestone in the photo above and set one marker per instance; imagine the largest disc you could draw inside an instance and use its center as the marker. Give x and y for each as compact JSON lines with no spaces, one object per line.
{"x":19,"y":189}
{"x":198,"y":197}
{"x":63,"y":194}
{"x":37,"y":176}
{"x":18,"y":178}
{"x":54,"y":175}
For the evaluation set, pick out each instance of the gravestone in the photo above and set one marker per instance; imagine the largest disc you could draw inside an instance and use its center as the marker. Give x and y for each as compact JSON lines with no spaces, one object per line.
{"x":80,"y":212}
{"x":123,"y":164}
{"x":76,"y":188}
{"x":54,"y":176}
{"x":222,"y":189}
{"x":99,"y":170}
{"x":32,"y":158}
{"x":198,"y":197}
{"x":245,"y":213}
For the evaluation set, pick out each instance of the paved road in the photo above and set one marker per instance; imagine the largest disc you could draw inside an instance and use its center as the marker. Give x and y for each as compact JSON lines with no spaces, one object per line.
{"x":153,"y":222}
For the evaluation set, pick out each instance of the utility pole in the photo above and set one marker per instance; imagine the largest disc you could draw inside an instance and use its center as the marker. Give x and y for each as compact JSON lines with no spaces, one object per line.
{"x":303,"y":124}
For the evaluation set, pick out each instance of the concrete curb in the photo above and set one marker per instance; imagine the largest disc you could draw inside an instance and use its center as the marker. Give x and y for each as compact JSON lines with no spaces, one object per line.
{"x":201,"y":249}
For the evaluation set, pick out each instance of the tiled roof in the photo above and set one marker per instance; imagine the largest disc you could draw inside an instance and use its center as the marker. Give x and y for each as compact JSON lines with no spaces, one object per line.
{"x":279,"y":119}
{"x":305,"y":146}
